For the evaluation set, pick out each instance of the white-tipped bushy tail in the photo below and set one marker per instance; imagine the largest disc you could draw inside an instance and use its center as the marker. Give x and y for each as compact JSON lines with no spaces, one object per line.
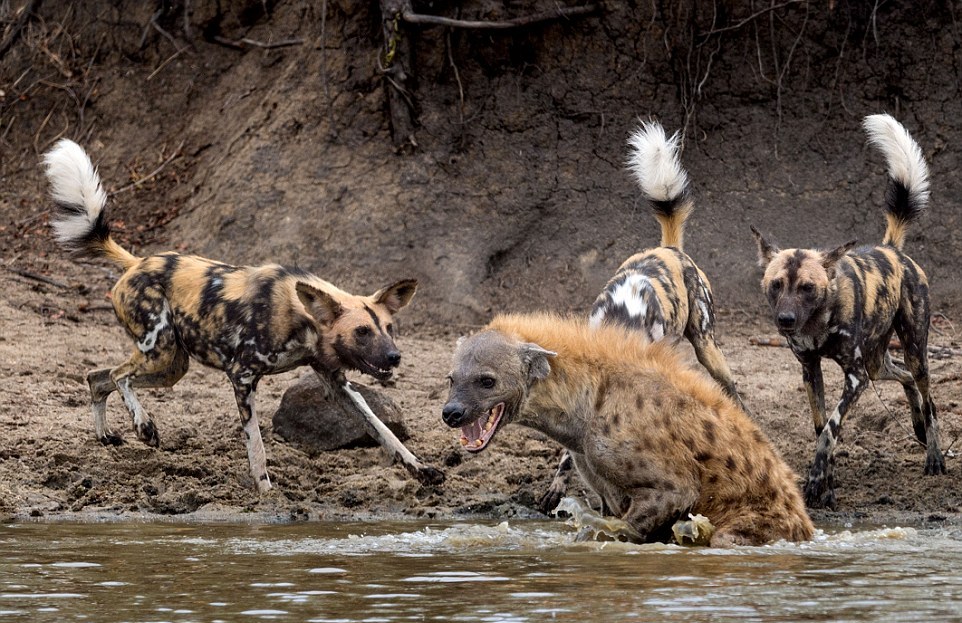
{"x":79,"y":222}
{"x":654,"y":162}
{"x":908,"y":191}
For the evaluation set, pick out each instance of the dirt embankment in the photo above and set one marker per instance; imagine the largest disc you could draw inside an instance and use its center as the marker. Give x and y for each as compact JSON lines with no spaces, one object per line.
{"x":515,"y":199}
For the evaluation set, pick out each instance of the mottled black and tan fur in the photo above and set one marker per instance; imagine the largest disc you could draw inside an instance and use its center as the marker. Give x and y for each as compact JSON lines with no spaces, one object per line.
{"x":248,"y":321}
{"x":844,"y":305}
{"x":659,"y":292}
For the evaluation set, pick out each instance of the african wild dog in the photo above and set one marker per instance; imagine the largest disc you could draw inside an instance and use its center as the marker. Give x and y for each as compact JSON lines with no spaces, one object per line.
{"x":659,"y":292}
{"x":248,"y":321}
{"x":845,"y":303}
{"x":652,"y":437}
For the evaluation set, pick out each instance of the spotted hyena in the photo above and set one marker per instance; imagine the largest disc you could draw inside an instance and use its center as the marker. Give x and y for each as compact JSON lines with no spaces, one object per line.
{"x":844,"y":304}
{"x":653,"y":438}
{"x":659,"y":292}
{"x":248,"y":321}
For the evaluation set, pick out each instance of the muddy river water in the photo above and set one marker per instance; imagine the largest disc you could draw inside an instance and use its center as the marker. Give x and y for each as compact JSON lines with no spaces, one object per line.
{"x":470,"y":571}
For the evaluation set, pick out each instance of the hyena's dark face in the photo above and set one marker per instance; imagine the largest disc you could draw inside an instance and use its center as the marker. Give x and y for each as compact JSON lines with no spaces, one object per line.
{"x":489,"y":384}
{"x":358,"y":332}
{"x":798,"y":283}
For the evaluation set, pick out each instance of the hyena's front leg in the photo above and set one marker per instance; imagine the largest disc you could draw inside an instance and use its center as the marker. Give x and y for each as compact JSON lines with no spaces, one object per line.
{"x":391,"y":444}
{"x":653,"y":512}
{"x":256,"y":455}
{"x":820,"y":488}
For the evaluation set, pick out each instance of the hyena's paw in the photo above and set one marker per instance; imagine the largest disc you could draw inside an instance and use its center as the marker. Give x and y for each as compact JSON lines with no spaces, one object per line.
{"x":147,"y":433}
{"x":818,"y":494}
{"x":934,"y":464}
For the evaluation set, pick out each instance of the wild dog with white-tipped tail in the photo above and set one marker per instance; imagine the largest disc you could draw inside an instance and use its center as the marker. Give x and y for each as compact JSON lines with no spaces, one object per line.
{"x":845,"y":303}
{"x":248,"y":321}
{"x":659,"y":292}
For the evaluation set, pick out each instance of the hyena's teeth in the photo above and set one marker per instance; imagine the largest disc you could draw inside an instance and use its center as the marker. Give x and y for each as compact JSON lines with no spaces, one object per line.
{"x":478,"y":443}
{"x":464,"y":441}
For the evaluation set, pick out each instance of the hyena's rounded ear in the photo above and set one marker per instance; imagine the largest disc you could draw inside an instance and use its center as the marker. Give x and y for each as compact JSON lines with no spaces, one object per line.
{"x":397,"y":295}
{"x":535,"y":360}
{"x":319,"y":304}
{"x":766,"y":250}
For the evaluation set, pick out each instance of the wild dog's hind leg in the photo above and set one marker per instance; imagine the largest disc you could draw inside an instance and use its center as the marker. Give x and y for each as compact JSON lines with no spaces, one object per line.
{"x":101,"y":386}
{"x":157,"y":368}
{"x":256,"y":455}
{"x":914,"y":335}
{"x":710,"y":356}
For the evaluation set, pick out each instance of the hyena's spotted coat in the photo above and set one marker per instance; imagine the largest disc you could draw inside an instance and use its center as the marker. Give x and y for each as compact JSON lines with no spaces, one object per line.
{"x":653,"y":438}
{"x":845,"y":304}
{"x":248,"y":321}
{"x":659,"y":292}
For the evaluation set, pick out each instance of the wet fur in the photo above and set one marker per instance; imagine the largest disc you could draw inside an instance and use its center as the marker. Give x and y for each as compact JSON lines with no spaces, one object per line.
{"x":845,"y":303}
{"x":655,"y":439}
{"x":248,"y":321}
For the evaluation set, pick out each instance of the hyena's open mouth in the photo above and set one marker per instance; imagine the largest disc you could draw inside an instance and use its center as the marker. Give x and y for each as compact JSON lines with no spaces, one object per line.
{"x":475,"y":436}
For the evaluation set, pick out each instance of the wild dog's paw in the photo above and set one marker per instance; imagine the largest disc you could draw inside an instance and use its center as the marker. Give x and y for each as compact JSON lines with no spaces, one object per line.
{"x":148,"y":434}
{"x":111,"y":439}
{"x":428,"y":475}
{"x":549,"y":501}
{"x":819,"y":495}
{"x":934,"y":464}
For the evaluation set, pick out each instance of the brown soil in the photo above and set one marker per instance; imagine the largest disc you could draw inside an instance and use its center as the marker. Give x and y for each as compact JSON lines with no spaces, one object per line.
{"x":51,"y":466}
{"x":515,"y":199}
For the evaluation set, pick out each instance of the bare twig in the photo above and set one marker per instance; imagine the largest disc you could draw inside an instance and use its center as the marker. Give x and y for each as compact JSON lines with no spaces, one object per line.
{"x":409,"y":16}
{"x":164,"y":64}
{"x":894,"y":344}
{"x":29,"y":275}
{"x":244,"y":43}
{"x":750,"y":18}
{"x":152,"y":174}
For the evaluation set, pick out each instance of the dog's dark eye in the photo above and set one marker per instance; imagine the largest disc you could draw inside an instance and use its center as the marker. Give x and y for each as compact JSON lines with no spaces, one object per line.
{"x":362,"y":331}
{"x":806,"y":288}
{"x":390,"y":329}
{"x":486,"y":382}
{"x":776,"y":285}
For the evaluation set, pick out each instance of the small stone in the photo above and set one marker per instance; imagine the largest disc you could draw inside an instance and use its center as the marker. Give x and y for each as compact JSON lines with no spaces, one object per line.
{"x":315,"y":422}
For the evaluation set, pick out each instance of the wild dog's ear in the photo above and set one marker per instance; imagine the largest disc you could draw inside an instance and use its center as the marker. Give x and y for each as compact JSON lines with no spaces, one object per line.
{"x":766,"y":250}
{"x":535,"y":360}
{"x":830,"y":258}
{"x":318,"y":303}
{"x":396,"y":296}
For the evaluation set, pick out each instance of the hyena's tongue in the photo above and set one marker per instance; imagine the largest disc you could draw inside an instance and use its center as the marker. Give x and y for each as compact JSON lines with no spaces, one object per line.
{"x":476,"y":436}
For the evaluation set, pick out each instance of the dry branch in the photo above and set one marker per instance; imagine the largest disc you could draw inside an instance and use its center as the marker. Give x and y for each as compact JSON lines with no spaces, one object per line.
{"x":244,"y":43}
{"x":409,"y":16}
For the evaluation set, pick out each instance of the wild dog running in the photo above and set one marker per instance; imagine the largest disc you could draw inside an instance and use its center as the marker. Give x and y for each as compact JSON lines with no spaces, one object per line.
{"x":248,"y":321}
{"x":659,"y":292}
{"x":653,"y":438}
{"x":844,"y":304}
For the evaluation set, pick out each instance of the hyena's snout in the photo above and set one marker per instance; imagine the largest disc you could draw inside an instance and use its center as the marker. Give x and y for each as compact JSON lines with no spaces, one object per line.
{"x":454,"y":414}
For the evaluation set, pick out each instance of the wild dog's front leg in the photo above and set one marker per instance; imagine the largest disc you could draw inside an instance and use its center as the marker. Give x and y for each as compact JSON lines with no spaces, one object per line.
{"x":256,"y":455}
{"x":395,"y":449}
{"x":820,"y":488}
{"x":559,"y":484}
{"x":814,"y":387}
